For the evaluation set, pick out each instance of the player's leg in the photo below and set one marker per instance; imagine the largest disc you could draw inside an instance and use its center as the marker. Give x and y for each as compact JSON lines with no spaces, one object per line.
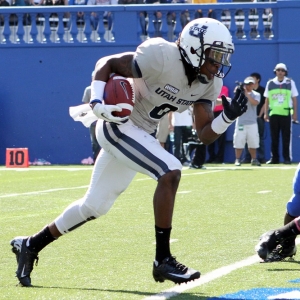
{"x":293,"y":211}
{"x":286,"y":138}
{"x":274,"y":131}
{"x":276,"y":245}
{"x":253,"y":142}
{"x":239,"y":141}
{"x":109,"y":179}
{"x":143,"y":153}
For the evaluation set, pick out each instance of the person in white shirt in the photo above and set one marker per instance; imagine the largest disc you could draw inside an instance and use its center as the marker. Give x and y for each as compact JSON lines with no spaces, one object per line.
{"x":246,"y":129}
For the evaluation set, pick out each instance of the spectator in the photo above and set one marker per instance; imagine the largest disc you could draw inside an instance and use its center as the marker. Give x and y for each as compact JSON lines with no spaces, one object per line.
{"x":54,"y":16}
{"x":181,"y":124}
{"x":36,"y":2}
{"x":276,"y":245}
{"x":218,"y":157}
{"x":107,"y":18}
{"x":184,"y":18}
{"x":197,"y":151}
{"x":199,"y":13}
{"x":281,"y":103}
{"x":80,"y":14}
{"x":95,"y":145}
{"x":13,"y":19}
{"x":55,"y":2}
{"x":3,"y":3}
{"x":143,"y":16}
{"x":246,"y":129}
{"x":260,"y":151}
{"x":19,"y":3}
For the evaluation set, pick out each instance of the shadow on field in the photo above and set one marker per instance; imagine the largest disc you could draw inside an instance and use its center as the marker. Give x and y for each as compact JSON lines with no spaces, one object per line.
{"x":185,"y":296}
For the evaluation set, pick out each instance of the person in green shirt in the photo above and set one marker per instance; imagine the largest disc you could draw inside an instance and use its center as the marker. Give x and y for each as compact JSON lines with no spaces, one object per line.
{"x":280,"y":108}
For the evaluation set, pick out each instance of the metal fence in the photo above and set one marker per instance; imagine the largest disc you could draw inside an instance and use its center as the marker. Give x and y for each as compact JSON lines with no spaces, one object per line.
{"x":130,"y":23}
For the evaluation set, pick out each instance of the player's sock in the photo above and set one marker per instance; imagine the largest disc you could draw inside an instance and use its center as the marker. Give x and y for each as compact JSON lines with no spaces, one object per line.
{"x":290,"y":229}
{"x":40,"y":240}
{"x":162,"y":243}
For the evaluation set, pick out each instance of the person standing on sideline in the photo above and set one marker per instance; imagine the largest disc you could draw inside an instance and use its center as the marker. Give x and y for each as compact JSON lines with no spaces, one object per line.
{"x":260,"y":109}
{"x":217,"y":156}
{"x":246,"y":130}
{"x":181,"y":124}
{"x":281,"y":103}
{"x":95,"y":145}
{"x":167,"y":76}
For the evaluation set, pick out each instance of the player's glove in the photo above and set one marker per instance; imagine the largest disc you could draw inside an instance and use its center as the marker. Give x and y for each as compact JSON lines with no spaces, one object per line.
{"x":105,"y":112}
{"x":236,"y":107}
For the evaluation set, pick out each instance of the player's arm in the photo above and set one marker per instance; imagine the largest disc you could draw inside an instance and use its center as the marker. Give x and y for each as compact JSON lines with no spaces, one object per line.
{"x":208,"y":129}
{"x":295,"y":108}
{"x":121,"y":64}
{"x":203,"y":117}
{"x":266,"y":117}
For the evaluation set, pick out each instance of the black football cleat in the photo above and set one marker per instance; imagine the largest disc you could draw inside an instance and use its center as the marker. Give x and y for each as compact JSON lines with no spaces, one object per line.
{"x":267,"y":242}
{"x":280,"y":253}
{"x":272,"y":247}
{"x":25,"y":259}
{"x":172,"y":270}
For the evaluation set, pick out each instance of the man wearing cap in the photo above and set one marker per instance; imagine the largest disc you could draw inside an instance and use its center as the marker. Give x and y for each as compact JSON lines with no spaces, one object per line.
{"x":246,"y":129}
{"x":281,"y":103}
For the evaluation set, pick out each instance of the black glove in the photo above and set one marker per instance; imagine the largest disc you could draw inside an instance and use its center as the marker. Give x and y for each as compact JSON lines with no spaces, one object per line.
{"x":237,"y":106}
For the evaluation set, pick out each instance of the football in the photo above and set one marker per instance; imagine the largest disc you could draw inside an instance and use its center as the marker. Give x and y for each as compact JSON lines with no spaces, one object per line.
{"x":118,"y":91}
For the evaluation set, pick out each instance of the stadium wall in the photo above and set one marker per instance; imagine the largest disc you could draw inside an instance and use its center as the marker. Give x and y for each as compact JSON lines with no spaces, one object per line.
{"x":40,"y":80}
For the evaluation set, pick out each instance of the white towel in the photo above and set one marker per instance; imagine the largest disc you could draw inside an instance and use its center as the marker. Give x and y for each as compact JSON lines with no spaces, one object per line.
{"x":83,"y":113}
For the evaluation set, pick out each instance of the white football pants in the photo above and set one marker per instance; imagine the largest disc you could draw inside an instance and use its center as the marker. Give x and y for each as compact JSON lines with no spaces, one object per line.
{"x":126,"y":150}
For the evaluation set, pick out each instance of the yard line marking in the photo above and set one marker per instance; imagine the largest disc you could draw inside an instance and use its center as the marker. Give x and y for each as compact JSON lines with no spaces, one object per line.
{"x":46,"y":169}
{"x":210,"y":276}
{"x":45,"y":191}
{"x":203,"y":172}
{"x":264,"y":192}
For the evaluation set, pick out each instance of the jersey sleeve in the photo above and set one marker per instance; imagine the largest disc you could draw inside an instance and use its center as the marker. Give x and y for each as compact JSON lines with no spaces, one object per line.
{"x":149,"y":59}
{"x":212,"y":92}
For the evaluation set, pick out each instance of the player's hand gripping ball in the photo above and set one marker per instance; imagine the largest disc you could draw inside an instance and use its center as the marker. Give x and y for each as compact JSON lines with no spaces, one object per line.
{"x":118,"y":91}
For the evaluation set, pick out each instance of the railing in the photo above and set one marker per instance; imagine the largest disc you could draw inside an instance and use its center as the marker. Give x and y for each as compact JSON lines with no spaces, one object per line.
{"x":61,"y":25}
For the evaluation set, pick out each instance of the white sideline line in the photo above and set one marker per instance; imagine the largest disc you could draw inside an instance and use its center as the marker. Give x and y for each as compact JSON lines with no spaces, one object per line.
{"x":45,"y":191}
{"x":208,"y":168}
{"x":176,"y":290}
{"x":210,"y":276}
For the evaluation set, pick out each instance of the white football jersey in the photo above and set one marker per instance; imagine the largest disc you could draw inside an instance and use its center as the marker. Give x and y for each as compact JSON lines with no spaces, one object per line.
{"x":164,"y":85}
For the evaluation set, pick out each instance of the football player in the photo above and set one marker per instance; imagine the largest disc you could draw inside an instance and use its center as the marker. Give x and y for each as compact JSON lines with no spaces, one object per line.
{"x":276,"y":245}
{"x":166,"y":77}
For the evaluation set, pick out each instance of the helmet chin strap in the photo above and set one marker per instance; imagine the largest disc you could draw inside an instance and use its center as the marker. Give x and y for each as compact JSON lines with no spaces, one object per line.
{"x":203,"y":78}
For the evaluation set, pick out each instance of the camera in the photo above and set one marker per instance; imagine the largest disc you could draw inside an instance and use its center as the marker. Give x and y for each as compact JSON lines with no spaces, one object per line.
{"x":240,"y":85}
